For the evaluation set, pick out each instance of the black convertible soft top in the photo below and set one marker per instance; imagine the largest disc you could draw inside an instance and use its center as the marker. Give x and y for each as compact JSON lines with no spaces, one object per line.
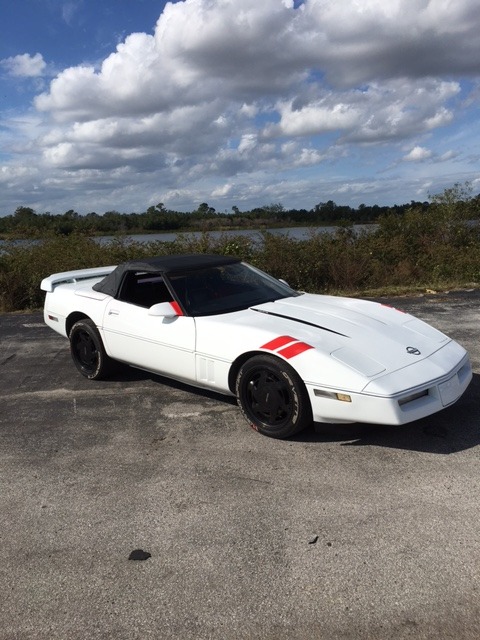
{"x":161,"y":264}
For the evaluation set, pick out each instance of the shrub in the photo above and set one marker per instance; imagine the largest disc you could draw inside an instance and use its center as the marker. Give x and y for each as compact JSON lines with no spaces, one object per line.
{"x":432,"y":248}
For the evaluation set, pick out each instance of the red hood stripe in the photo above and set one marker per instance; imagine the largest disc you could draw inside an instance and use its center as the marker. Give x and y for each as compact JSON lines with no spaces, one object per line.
{"x":276,"y":343}
{"x":294,"y":349}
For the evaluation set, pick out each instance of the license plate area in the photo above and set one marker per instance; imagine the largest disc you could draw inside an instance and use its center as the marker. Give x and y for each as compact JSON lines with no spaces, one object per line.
{"x":449,"y":390}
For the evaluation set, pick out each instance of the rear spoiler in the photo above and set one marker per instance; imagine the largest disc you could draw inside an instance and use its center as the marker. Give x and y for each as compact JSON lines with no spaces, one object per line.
{"x":49,"y":283}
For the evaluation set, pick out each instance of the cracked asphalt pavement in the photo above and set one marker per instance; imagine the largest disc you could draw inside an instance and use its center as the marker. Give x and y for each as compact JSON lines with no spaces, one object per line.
{"x":340,"y":533}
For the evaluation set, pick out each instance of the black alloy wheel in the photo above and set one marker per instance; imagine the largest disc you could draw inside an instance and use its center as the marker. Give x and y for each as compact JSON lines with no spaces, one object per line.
{"x":88,"y":352}
{"x":272,"y":397}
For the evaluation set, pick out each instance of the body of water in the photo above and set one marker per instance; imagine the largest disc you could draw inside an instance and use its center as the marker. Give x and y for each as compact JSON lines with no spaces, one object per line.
{"x":295,"y":233}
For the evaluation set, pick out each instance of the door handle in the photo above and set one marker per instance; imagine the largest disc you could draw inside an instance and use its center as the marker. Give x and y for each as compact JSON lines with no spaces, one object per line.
{"x":113,"y":312}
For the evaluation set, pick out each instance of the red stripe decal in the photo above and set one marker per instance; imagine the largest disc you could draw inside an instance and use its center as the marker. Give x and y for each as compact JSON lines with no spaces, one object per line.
{"x":295,"y":349}
{"x":176,"y":307}
{"x":276,"y":343}
{"x":389,"y":306}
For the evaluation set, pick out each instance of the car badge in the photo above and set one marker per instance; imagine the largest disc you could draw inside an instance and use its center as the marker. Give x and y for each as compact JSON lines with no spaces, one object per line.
{"x":414,"y":351}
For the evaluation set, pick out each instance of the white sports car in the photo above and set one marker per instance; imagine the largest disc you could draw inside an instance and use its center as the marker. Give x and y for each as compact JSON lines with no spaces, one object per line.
{"x":290,"y":358}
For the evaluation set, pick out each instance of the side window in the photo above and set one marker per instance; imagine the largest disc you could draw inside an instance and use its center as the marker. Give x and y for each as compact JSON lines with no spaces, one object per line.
{"x":144,"y":289}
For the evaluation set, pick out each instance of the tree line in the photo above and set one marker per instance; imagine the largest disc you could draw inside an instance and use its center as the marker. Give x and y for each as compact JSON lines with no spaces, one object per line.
{"x":434,"y":248}
{"x":26,"y":222}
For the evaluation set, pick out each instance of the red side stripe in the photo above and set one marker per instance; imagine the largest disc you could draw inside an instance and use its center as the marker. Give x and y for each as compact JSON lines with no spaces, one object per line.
{"x":276,"y":343}
{"x":389,"y":306}
{"x":295,"y":349}
{"x":176,"y":307}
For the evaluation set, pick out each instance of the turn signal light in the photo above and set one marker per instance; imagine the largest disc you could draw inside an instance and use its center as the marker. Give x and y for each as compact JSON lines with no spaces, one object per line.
{"x":332,"y":395}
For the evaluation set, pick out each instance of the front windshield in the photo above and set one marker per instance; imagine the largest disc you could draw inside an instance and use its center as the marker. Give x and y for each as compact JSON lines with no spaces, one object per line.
{"x":227,"y":288}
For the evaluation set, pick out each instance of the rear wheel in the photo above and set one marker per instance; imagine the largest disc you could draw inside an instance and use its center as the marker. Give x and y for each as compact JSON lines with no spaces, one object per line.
{"x":272,"y":397}
{"x":88,"y":352}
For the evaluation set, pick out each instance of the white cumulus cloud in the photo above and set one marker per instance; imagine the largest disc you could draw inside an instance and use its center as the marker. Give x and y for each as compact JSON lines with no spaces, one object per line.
{"x":418,"y":154}
{"x":24,"y":65}
{"x":242,"y":91}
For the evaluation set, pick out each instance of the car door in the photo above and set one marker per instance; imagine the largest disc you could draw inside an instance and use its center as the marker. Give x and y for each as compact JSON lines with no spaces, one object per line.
{"x":161,"y":344}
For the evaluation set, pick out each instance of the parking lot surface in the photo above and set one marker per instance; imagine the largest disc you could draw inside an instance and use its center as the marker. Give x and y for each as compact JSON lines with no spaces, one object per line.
{"x":341,"y":533}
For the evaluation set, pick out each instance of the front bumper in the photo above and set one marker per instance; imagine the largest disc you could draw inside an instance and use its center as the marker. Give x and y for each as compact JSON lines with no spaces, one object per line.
{"x":376,"y":406}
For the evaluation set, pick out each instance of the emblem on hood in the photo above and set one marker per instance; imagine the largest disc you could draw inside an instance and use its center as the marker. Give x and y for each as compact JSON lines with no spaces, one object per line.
{"x":414,"y":351}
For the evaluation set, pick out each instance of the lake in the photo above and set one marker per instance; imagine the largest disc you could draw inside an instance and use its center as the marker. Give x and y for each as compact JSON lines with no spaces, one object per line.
{"x":295,"y":233}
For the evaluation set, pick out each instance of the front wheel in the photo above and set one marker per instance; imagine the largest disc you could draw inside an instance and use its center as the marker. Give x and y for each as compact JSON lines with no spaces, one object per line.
{"x":272,"y":397}
{"x":88,"y":352}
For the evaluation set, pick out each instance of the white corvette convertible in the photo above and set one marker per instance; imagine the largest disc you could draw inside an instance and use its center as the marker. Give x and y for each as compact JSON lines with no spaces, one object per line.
{"x":290,"y":358}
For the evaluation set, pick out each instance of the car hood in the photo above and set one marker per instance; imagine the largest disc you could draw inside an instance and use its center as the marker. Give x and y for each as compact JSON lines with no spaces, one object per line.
{"x":366,"y":336}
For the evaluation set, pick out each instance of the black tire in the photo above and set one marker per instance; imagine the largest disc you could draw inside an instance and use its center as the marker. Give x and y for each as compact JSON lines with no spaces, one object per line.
{"x":88,"y":352}
{"x":272,"y":397}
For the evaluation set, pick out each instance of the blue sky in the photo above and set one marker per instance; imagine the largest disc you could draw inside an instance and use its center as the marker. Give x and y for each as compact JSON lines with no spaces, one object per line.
{"x":120,"y":104}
